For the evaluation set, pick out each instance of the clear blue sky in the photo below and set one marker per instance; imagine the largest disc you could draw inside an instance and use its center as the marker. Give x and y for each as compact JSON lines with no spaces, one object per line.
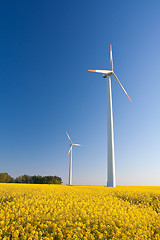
{"x":46,"y":48}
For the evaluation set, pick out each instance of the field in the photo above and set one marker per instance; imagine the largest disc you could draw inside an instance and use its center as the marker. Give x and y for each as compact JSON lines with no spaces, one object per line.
{"x":79,"y":212}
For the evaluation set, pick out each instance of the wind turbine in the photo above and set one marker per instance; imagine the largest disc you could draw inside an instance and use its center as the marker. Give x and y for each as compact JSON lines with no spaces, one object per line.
{"x":70,"y":152}
{"x":111,"y":182}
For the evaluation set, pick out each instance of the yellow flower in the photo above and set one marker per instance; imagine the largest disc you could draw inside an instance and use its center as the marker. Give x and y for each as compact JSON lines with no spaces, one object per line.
{"x":79,"y":212}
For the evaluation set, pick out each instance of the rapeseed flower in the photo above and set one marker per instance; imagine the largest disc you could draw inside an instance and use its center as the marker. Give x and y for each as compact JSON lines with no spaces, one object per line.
{"x":78,"y":212}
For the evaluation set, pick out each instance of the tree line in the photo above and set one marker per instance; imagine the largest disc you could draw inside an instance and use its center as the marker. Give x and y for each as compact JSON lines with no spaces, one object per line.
{"x":6,"y":178}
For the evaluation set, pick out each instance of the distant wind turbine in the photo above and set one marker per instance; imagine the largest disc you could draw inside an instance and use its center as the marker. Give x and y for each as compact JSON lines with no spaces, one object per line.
{"x":111,"y":182}
{"x":70,"y":152}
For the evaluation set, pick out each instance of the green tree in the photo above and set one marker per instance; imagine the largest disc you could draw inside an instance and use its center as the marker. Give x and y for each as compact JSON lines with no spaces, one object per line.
{"x":23,"y":179}
{"x":37,"y":179}
{"x":5,"y":178}
{"x":52,"y":180}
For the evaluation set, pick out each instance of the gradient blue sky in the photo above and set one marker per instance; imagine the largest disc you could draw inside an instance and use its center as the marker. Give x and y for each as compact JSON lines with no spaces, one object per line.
{"x":46,"y":48}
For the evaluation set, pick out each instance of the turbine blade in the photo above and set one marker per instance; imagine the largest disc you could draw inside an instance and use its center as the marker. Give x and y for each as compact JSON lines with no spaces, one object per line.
{"x":121,"y":86}
{"x":111,"y":59}
{"x":75,"y":144}
{"x":69,"y":151}
{"x":100,"y":71}
{"x":68,"y":137}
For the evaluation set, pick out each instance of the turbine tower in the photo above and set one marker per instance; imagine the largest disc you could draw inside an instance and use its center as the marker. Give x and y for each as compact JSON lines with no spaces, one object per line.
{"x":111,"y":182}
{"x":70,"y":163}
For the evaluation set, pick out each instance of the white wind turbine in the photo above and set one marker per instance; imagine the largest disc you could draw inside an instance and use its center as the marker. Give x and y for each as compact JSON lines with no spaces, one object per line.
{"x":111,"y":182}
{"x":70,"y":152}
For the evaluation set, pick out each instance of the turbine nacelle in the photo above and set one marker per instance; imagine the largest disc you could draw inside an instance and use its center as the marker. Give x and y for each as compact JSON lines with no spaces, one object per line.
{"x":107,"y":75}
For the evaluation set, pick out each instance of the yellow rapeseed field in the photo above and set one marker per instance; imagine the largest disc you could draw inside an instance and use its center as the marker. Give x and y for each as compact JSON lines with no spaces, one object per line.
{"x":78,"y":212}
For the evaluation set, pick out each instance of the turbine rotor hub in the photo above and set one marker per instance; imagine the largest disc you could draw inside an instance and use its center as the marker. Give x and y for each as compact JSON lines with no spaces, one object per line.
{"x":107,"y":75}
